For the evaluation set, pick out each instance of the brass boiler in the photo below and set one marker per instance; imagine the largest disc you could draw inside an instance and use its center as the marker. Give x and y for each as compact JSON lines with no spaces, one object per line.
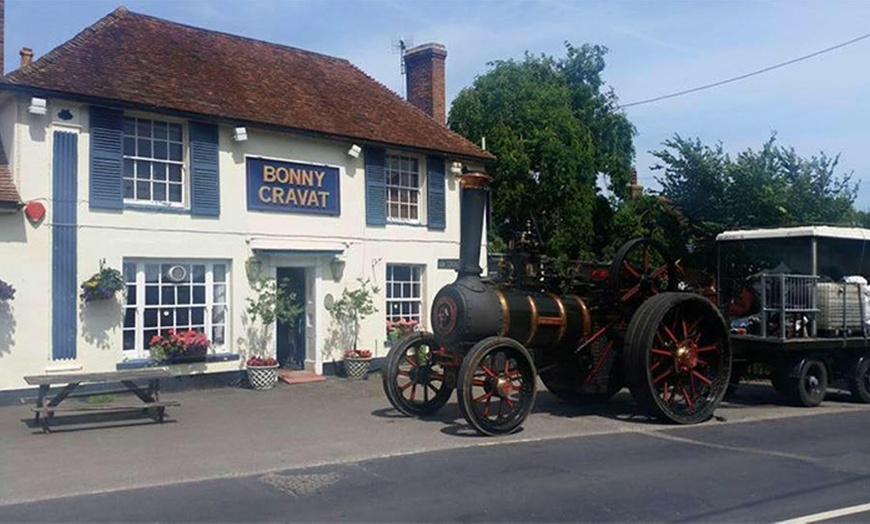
{"x":469,"y":310}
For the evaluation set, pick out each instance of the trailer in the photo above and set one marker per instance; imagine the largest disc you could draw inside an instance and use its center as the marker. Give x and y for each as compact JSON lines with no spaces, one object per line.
{"x":797,"y":303}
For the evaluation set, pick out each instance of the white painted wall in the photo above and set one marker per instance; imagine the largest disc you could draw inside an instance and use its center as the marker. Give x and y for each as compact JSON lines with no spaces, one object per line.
{"x":25,"y":249}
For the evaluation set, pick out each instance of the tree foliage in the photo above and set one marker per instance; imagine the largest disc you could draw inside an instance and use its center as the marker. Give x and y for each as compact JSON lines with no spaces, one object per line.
{"x":770,"y":187}
{"x":554,"y":128}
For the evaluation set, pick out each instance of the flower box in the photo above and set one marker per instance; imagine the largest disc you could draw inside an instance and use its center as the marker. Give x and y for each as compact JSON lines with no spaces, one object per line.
{"x":179,"y":347}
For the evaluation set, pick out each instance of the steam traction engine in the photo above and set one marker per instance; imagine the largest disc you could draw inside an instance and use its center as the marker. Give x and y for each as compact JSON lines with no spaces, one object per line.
{"x":587,"y":331}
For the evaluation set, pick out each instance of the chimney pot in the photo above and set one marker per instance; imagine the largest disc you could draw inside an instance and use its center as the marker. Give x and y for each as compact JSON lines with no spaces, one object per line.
{"x":26,"y":56}
{"x":424,"y":76}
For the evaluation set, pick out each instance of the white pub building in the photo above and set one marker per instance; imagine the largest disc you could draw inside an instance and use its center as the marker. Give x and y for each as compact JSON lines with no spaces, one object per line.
{"x":176,"y":154}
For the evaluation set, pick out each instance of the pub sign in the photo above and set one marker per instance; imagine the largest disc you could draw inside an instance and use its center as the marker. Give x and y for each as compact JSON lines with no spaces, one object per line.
{"x":291,"y":187}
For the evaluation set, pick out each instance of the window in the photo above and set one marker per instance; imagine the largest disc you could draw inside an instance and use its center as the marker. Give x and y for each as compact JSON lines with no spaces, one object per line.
{"x":404,"y":292}
{"x":153,"y":161}
{"x":164,"y":295}
{"x":403,"y":188}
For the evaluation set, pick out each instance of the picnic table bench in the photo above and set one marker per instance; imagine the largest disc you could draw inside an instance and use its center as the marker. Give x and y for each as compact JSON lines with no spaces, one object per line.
{"x":149,"y":395}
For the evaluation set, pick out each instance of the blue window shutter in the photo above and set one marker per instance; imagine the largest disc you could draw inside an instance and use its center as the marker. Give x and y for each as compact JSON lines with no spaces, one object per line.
{"x":376,"y":186}
{"x":106,"y":181}
{"x":205,"y":197}
{"x":435,"y":192}
{"x":64,"y":250}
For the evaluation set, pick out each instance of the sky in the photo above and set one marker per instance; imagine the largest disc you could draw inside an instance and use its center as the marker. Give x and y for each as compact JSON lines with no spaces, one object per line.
{"x":656,"y":48}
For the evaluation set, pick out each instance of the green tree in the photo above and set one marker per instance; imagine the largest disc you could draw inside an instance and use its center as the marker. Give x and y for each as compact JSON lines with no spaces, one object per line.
{"x":770,"y":187}
{"x":554,"y":128}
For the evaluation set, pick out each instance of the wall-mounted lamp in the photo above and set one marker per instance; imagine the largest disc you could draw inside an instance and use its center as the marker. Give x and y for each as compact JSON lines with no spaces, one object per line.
{"x":456,"y":168}
{"x":240,"y":134}
{"x":337,"y":266}
{"x":38,"y":106}
{"x":354,"y":151}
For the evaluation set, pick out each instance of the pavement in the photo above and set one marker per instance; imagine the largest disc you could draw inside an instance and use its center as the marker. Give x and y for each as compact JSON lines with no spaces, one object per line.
{"x":233,"y":432}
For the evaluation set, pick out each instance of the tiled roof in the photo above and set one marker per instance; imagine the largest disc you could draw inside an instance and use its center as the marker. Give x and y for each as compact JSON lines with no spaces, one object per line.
{"x":8,"y":193}
{"x":147,"y":61}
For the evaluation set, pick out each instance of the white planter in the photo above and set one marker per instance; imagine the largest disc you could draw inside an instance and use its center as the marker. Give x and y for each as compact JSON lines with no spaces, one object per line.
{"x":356,"y":368}
{"x":263,"y":377}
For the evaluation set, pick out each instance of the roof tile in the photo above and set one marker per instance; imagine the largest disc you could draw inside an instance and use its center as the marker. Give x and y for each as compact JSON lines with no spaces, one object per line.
{"x":152,"y":62}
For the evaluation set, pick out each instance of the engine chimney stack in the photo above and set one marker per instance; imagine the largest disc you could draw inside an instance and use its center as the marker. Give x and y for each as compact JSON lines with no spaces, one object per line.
{"x":474,"y":190}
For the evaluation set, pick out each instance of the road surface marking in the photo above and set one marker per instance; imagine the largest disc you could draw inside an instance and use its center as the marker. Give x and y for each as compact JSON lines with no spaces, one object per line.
{"x":827,"y":515}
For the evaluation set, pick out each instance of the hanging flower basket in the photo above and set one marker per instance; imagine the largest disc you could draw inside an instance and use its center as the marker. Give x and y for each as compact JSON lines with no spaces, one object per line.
{"x":7,"y":292}
{"x":102,"y":285}
{"x":357,"y":363}
{"x":262,"y":372}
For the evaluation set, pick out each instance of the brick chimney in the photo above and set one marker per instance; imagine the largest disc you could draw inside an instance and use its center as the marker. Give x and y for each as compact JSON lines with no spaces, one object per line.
{"x":635,"y":189}
{"x":2,"y":35}
{"x":424,"y":74}
{"x":26,"y":56}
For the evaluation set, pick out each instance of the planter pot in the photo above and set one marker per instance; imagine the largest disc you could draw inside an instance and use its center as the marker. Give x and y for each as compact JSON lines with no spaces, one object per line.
{"x":262,"y":377}
{"x":356,"y":368}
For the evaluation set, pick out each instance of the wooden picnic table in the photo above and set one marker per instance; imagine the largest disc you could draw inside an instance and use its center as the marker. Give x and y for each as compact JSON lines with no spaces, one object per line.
{"x":149,"y":395}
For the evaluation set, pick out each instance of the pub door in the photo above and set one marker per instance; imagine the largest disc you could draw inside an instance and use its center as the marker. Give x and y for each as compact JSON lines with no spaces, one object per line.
{"x":291,"y":335}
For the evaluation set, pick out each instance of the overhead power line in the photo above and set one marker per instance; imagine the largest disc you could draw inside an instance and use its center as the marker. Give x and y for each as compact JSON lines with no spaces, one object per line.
{"x":747,"y":75}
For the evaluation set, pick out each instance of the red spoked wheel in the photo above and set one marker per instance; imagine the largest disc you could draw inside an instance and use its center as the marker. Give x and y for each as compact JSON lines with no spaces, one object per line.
{"x":678,"y":357}
{"x":418,"y":380}
{"x":496,"y":387}
{"x":641,"y":269}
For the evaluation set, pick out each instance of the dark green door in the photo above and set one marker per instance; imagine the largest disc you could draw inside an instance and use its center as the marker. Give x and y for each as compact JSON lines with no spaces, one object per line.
{"x":291,"y":335}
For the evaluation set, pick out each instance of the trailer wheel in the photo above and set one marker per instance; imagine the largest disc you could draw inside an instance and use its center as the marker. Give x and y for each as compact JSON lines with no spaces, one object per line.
{"x":496,"y":387}
{"x":415,"y":381}
{"x":859,"y":380}
{"x":678,"y":357}
{"x":640,"y":269}
{"x":809,"y":387}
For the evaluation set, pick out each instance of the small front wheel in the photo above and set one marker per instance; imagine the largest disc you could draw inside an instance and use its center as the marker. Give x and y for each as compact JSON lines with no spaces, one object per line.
{"x":496,"y":387}
{"x":415,"y":380}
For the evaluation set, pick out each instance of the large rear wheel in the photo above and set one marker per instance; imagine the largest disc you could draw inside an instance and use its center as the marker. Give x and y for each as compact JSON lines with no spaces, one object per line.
{"x":678,"y":357}
{"x":415,"y":380}
{"x":496,"y":386}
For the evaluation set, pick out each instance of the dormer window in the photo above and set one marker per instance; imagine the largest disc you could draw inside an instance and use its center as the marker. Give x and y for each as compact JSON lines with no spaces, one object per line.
{"x":153,"y":161}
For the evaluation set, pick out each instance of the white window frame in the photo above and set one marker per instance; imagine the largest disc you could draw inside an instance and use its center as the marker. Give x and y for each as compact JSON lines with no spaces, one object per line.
{"x":421,"y":183}
{"x":418,"y":270}
{"x":140,"y":347}
{"x":185,"y":182}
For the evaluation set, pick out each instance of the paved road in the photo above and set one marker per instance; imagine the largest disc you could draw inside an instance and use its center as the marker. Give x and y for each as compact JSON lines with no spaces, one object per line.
{"x":766,"y":470}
